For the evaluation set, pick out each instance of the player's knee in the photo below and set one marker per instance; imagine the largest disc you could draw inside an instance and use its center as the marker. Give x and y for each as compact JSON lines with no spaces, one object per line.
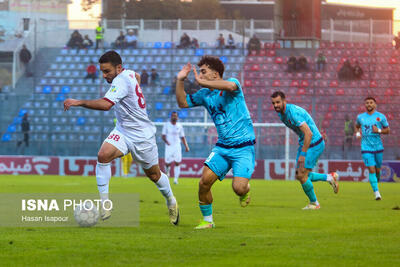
{"x":204,"y":184}
{"x":102,"y":157}
{"x":240,"y":188}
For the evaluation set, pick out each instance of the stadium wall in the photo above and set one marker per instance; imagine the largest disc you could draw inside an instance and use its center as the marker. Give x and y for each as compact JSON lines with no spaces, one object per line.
{"x":348,"y":170}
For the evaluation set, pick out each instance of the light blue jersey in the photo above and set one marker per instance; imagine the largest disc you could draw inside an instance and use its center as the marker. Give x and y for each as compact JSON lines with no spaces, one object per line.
{"x":296,"y":116}
{"x":371,"y":142}
{"x":229,"y":113}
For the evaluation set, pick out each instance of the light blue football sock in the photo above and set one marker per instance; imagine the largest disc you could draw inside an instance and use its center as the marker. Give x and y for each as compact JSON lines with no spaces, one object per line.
{"x":315,"y":177}
{"x":206,"y":210}
{"x":373,"y":181}
{"x":309,"y":190}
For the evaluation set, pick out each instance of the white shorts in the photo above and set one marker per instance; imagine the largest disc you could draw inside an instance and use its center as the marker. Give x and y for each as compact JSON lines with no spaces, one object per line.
{"x":173,"y":154}
{"x":143,"y":152}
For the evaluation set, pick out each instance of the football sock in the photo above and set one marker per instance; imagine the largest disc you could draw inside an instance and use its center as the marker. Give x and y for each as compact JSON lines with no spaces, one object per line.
{"x":165,"y":189}
{"x":206,"y":210}
{"x":314,"y":177}
{"x":103,"y":176}
{"x":373,"y":181}
{"x":378,"y":176}
{"x":309,"y":190}
{"x":177,"y":172}
{"x":167,"y":170}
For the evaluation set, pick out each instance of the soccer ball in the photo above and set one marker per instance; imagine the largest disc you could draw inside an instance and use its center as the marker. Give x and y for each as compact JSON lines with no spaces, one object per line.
{"x":86,"y":215}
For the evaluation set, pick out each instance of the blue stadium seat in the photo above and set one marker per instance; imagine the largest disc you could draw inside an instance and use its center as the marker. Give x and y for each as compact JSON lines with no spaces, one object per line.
{"x":46,"y":89}
{"x":17,"y":120}
{"x":223,"y":59}
{"x":203,"y":45}
{"x":199,"y":52}
{"x":6,"y":137}
{"x":183,"y":113}
{"x":22,"y":112}
{"x":168,"y":45}
{"x":11,"y":128}
{"x":159,"y":106}
{"x":157,"y":45}
{"x":166,"y":90}
{"x":159,"y":120}
{"x":65,"y":89}
{"x":60,"y":97}
{"x":80,"y":121}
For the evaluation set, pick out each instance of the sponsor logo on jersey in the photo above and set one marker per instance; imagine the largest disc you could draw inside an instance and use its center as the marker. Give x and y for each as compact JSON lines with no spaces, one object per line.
{"x":378,"y":119}
{"x":113,"y":89}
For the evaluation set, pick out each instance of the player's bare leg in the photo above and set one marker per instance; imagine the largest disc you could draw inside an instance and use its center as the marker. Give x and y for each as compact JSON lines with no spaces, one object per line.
{"x":207,"y":179}
{"x":162,"y":182}
{"x":106,"y":154}
{"x":241,"y":187}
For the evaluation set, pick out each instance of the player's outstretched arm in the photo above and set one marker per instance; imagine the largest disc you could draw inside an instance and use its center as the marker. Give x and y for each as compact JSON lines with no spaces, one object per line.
{"x":216,"y":84}
{"x":180,"y":89}
{"x":98,"y":104}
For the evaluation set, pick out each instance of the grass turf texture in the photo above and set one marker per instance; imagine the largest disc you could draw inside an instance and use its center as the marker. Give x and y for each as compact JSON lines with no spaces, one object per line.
{"x":351,"y":228}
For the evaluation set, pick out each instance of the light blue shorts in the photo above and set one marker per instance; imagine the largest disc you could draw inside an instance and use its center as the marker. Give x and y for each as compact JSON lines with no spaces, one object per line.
{"x":372,"y":159}
{"x":313,"y":154}
{"x":241,"y":160}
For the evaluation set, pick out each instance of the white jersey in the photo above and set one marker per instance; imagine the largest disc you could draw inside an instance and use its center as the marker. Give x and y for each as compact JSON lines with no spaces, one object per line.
{"x":130,"y":107}
{"x":173,"y":133}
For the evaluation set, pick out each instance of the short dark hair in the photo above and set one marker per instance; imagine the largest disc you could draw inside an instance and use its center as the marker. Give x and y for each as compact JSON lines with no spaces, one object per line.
{"x":278,"y":93}
{"x":174,"y":111}
{"x":370,"y":98}
{"x":213,"y":63}
{"x":111,"y":57}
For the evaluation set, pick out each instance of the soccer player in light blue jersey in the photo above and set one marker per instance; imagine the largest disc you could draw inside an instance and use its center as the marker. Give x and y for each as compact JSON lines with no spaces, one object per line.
{"x":224,"y":100}
{"x":311,"y":146}
{"x":369,"y":127}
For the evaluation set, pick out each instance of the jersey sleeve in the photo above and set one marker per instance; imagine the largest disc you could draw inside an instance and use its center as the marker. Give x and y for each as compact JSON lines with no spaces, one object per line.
{"x":358,"y":121}
{"x":181,"y":132}
{"x":239,"y":86}
{"x":384,"y":122}
{"x":164,"y":129}
{"x":298,"y":118}
{"x":196,"y":99}
{"x":117,"y":91}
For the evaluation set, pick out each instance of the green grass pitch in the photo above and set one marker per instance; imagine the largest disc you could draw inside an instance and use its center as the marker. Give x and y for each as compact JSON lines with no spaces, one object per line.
{"x":350,"y":229}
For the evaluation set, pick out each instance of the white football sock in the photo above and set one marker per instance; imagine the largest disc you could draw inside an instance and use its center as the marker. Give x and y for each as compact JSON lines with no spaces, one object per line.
{"x":329,"y":178}
{"x":165,"y":189}
{"x":177,"y":172}
{"x":103,"y":176}
{"x":167,"y":170}
{"x":208,"y":218}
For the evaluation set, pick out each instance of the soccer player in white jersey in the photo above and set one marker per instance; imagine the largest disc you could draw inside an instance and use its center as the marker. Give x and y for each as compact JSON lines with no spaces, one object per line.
{"x":134,"y":132}
{"x":172,"y":134}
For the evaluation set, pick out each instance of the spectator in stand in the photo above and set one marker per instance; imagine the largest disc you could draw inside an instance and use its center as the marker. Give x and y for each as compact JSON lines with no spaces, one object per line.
{"x":321,"y":61}
{"x":75,"y":41}
{"x":231,"y":42}
{"x":99,"y":36}
{"x":155,"y":77}
{"x":302,"y":63}
{"x":292,"y":63}
{"x":254,"y":44}
{"x":120,"y":41}
{"x":91,"y":71}
{"x":185,"y":41}
{"x":346,"y":71}
{"x":221,"y":41}
{"x":357,"y":71}
{"x":144,"y":77}
{"x":25,"y":128}
{"x":25,"y":56}
{"x":194,"y":43}
{"x":131,"y":39}
{"x":87,"y":43}
{"x":397,"y":41}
